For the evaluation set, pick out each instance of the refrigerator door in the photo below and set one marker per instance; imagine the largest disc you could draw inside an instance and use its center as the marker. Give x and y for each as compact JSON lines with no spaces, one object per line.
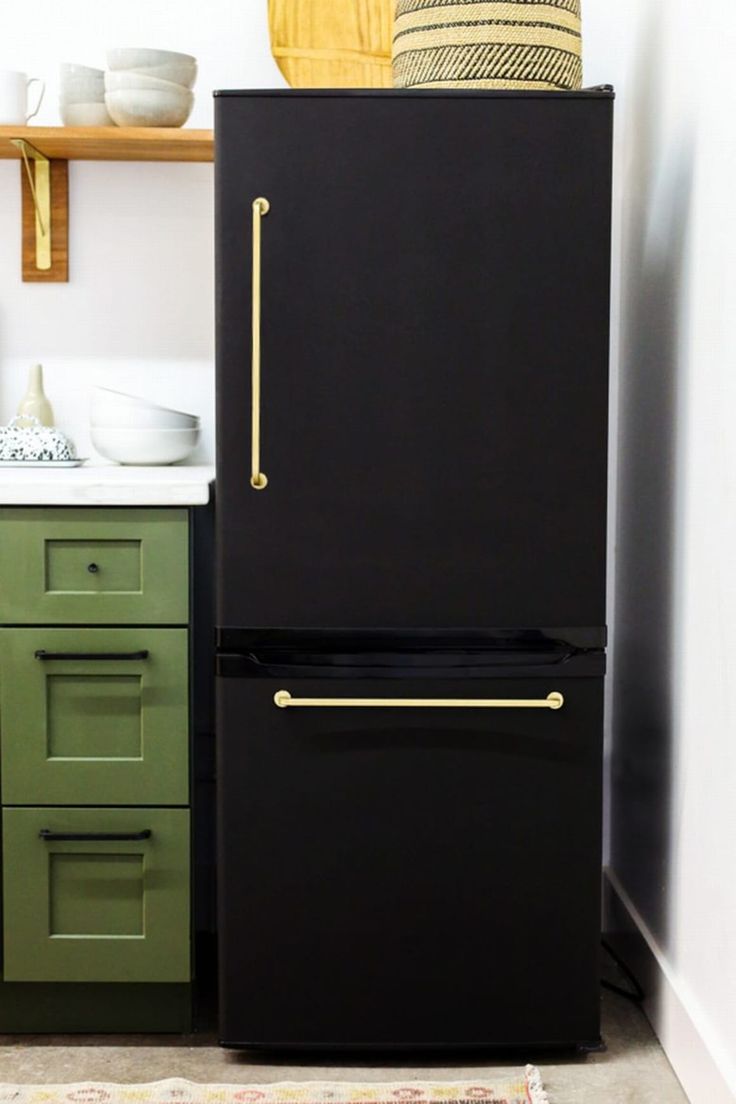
{"x":434,"y":273}
{"x":416,"y":874}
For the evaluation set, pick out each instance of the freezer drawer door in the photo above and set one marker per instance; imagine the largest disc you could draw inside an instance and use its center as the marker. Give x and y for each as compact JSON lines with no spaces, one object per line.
{"x":432,"y":410}
{"x":424,"y":873}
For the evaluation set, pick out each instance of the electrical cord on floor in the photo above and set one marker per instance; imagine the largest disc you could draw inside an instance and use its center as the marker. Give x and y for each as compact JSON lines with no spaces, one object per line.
{"x":635,"y":994}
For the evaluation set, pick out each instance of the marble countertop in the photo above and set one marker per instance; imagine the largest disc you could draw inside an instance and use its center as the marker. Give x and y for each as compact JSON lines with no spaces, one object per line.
{"x":107,"y":485}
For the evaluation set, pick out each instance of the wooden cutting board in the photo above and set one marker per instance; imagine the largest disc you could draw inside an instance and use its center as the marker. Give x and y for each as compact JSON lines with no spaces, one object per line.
{"x":332,"y":43}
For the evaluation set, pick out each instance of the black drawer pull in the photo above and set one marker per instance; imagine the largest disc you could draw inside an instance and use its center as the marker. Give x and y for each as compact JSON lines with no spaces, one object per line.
{"x":43,"y":654}
{"x":48,"y":835}
{"x":92,"y":568}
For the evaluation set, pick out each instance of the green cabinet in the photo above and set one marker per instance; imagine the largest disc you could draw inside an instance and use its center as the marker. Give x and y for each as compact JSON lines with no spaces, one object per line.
{"x":94,"y":716}
{"x":82,"y":907}
{"x":94,"y":756}
{"x":67,"y":566}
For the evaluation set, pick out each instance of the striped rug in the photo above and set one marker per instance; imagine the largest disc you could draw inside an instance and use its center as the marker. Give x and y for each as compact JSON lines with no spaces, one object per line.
{"x":487,"y":44}
{"x":516,"y":1088}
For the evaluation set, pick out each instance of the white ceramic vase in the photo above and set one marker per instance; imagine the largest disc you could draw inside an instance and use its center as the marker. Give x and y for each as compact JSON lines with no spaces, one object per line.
{"x":34,"y":403}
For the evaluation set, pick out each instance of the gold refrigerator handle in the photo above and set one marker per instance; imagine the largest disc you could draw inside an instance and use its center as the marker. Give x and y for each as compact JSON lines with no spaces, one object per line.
{"x":555,"y":700}
{"x":258,"y":480}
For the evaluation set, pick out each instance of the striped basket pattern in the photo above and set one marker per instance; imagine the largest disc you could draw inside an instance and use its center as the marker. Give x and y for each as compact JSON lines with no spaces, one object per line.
{"x":487,"y":44}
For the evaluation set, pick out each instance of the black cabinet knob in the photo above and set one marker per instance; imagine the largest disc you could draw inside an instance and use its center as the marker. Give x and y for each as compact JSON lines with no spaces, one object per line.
{"x":92,"y":568}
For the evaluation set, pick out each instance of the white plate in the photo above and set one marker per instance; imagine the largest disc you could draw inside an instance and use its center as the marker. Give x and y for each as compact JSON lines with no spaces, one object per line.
{"x":42,"y":463}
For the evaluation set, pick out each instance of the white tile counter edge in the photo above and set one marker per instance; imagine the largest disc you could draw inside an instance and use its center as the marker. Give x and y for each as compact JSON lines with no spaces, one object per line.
{"x":107,"y":485}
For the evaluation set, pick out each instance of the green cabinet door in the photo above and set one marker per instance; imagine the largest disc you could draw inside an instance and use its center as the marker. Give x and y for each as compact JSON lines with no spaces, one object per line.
{"x":90,"y":908}
{"x":77,"y":566}
{"x":94,"y":730}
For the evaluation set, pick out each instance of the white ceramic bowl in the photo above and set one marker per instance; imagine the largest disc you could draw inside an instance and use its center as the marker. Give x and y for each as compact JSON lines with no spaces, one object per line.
{"x":69,"y":70}
{"x":126,"y":397}
{"x":149,"y":107}
{"x":139,"y":417}
{"x":82,"y":91}
{"x":118,"y":79}
{"x":116,"y":409}
{"x":80,"y":84}
{"x":144,"y":446}
{"x":142,"y":57}
{"x":85,"y":114}
{"x":180,"y":72}
{"x":142,"y":418}
{"x":83,"y":96}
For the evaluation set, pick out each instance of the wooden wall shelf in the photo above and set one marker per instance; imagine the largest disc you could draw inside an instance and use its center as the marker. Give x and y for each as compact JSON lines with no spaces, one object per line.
{"x":44,"y":180}
{"x":111,"y":143}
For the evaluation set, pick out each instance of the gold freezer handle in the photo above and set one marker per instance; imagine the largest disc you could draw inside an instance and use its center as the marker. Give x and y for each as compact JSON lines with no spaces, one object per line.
{"x":258,"y":480}
{"x":555,"y":700}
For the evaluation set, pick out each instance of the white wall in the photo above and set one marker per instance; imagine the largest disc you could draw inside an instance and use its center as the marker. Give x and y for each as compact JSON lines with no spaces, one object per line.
{"x":673,"y":746}
{"x":137,"y":312}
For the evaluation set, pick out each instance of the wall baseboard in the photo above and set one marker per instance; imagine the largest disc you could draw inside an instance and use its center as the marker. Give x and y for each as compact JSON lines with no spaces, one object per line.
{"x":702,"y":1072}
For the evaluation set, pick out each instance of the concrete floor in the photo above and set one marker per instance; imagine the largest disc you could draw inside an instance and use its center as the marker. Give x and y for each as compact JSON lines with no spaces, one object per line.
{"x":632,"y":1069}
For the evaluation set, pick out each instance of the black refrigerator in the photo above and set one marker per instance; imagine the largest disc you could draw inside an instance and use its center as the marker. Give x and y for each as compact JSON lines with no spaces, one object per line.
{"x":412,"y":395}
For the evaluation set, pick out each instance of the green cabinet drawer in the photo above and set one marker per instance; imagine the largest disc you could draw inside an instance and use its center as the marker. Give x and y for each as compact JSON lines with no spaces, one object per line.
{"x":94,"y":716}
{"x":86,"y":908}
{"x":70,"y":566}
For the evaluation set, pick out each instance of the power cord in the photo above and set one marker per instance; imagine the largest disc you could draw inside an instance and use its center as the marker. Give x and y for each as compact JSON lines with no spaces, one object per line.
{"x":636,"y":993}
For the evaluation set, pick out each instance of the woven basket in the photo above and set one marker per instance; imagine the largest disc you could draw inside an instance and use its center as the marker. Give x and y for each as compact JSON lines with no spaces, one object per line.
{"x":486,"y":44}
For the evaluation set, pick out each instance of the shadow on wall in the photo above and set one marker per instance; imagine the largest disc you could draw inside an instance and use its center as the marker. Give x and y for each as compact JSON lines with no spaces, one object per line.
{"x":657,"y":189}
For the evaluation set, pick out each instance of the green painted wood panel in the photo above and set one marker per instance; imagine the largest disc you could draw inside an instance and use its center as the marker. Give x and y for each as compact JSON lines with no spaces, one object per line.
{"x":77,"y":565}
{"x":94,"y":1007}
{"x":90,"y":910}
{"x":94,"y":731}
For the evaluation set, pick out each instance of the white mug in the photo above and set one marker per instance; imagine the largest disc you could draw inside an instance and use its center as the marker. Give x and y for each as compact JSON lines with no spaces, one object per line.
{"x":14,"y":88}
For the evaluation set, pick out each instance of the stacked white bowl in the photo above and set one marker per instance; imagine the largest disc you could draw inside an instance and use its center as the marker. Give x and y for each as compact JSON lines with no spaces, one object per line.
{"x":82,"y":96}
{"x":131,"y":430}
{"x":149,"y":87}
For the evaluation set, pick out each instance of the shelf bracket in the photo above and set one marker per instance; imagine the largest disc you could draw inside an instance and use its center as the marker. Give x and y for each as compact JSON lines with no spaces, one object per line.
{"x":39,"y":182}
{"x":45,"y":195}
